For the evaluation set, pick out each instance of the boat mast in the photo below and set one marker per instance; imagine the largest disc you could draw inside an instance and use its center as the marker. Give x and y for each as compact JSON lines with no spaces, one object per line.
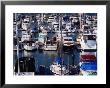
{"x":60,"y":20}
{"x":80,"y":22}
{"x":42,"y":17}
{"x":17,"y":44}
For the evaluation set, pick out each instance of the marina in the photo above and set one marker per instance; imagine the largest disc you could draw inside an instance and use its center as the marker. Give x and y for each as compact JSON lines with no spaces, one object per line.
{"x":55,"y":43}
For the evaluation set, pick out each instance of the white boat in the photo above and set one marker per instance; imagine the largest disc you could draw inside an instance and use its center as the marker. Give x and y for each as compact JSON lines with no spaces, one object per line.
{"x":49,"y":45}
{"x":29,"y":46}
{"x":58,"y":69}
{"x":89,"y":43}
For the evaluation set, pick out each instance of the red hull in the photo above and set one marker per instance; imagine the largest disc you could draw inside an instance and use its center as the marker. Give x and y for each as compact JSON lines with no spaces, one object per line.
{"x":88,"y":58}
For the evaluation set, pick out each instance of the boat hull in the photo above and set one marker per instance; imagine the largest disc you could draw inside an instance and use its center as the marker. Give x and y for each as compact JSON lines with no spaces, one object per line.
{"x":30,"y":48}
{"x":50,"y":48}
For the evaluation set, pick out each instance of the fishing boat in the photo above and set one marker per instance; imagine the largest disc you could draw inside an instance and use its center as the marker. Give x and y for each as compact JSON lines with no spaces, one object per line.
{"x":68,"y":43}
{"x":50,"y":45}
{"x":88,"y":68}
{"x":30,"y":45}
{"x":88,"y":42}
{"x":58,"y":68}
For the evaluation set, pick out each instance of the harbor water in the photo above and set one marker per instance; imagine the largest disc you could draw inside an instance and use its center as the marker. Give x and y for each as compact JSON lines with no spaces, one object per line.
{"x":54,"y":43}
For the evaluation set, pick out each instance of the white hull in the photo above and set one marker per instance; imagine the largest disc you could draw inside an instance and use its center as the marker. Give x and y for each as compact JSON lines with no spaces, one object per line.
{"x":91,"y":44}
{"x":30,"y":47}
{"x":50,"y":47}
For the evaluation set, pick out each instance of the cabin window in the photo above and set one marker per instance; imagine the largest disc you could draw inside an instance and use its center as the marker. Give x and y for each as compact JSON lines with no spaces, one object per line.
{"x":65,"y":39}
{"x":70,"y":39}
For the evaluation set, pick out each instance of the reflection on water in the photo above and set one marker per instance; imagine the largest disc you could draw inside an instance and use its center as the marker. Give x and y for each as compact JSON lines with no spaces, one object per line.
{"x":46,"y":58}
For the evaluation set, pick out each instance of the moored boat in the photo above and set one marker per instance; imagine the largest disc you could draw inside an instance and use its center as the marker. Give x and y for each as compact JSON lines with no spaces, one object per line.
{"x":58,"y":68}
{"x":50,"y":45}
{"x":68,"y":43}
{"x":30,"y":45}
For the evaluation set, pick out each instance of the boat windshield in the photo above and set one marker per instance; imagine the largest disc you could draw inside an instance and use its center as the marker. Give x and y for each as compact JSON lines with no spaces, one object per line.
{"x":67,"y":39}
{"x":91,"y":37}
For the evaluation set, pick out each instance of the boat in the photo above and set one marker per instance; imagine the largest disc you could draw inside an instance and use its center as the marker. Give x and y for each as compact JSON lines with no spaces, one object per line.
{"x":58,"y":68}
{"x":68,"y":43}
{"x":88,"y":42}
{"x":50,"y":45}
{"x":88,"y":68}
{"x":30,"y":45}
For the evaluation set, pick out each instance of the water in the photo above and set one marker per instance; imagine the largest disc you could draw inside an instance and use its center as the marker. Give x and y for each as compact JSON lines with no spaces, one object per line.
{"x":46,"y":58}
